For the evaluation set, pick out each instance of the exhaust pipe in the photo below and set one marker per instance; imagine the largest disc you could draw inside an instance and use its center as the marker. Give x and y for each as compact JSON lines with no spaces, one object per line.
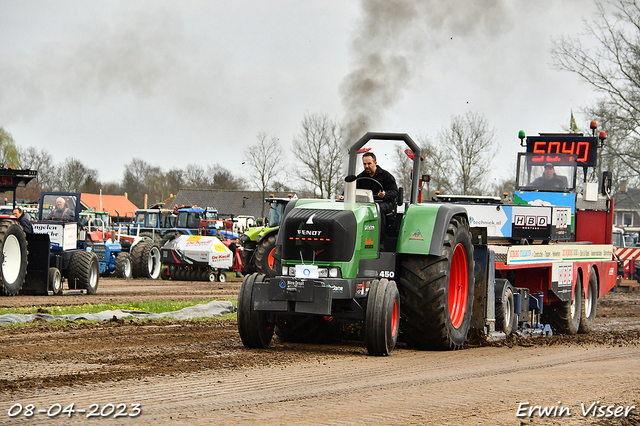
{"x":350,"y":189}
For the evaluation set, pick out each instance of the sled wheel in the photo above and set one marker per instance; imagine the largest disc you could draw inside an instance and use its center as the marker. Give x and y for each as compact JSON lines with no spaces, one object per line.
{"x":84,"y":271}
{"x":13,"y":257}
{"x":564,"y":317}
{"x":437,"y":292}
{"x":123,"y":265}
{"x":211,"y":276}
{"x":165,"y":273}
{"x":55,"y":281}
{"x":265,"y":262}
{"x":174,"y":273}
{"x":589,"y":304}
{"x":506,"y":319}
{"x":382,"y":317}
{"x":222,"y":277}
{"x":253,"y":326}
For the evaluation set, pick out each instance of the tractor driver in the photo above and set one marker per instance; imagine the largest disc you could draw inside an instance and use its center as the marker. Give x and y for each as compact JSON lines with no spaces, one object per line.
{"x":61,"y":212}
{"x":386,"y":193}
{"x":550,"y":179}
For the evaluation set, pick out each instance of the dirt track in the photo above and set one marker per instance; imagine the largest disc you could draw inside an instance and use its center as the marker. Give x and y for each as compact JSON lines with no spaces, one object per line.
{"x":199,"y":372}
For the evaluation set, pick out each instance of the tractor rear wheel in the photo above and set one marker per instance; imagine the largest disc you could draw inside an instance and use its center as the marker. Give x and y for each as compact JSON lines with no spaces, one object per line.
{"x":437,"y":292}
{"x":564,"y":317}
{"x":253,"y":326}
{"x":13,"y":257}
{"x":84,"y":271}
{"x":265,"y":262}
{"x":145,"y":257}
{"x":123,"y":265}
{"x":382,"y":317}
{"x":589,"y":304}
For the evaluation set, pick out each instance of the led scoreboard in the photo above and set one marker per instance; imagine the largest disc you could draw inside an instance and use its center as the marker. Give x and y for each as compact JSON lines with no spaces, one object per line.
{"x":582,"y":147}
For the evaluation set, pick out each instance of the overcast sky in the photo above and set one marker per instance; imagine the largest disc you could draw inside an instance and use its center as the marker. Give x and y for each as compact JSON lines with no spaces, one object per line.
{"x":181,"y":82}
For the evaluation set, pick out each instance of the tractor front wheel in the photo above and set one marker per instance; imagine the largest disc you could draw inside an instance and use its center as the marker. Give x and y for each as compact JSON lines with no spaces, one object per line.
{"x":254,"y":327}
{"x":84,"y":271}
{"x":13,"y":257}
{"x":123,"y":265}
{"x":437,"y":292}
{"x":55,"y":281}
{"x":265,"y":260}
{"x":382,"y":317}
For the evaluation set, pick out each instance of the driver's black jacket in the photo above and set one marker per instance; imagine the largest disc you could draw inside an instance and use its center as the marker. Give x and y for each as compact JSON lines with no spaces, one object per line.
{"x":388,"y":183}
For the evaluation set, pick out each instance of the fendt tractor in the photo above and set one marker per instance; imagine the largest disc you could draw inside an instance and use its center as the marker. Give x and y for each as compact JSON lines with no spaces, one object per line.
{"x":430,"y":271}
{"x":259,"y":243}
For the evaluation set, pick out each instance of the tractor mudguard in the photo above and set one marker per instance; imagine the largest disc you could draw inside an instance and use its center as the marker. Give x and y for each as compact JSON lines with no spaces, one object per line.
{"x":424,"y":227}
{"x":266,"y":232}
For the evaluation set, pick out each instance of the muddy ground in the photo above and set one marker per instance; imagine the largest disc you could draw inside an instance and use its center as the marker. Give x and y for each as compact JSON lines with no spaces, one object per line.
{"x":89,"y":359}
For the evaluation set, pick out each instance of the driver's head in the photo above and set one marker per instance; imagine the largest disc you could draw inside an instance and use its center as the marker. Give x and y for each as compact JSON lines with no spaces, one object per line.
{"x":369,"y":162}
{"x":60,"y":203}
{"x":549,"y":171}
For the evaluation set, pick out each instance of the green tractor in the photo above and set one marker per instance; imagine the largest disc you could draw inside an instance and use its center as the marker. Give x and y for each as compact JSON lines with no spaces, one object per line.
{"x":259,"y":243}
{"x":344,"y":262}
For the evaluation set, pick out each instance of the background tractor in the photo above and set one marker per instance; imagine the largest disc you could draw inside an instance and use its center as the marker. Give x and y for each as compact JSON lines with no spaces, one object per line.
{"x":259,"y":243}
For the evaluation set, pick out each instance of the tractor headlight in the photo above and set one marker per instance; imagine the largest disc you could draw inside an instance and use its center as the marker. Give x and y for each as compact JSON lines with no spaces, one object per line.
{"x":333,"y":272}
{"x":323,"y":272}
{"x":289,"y":270}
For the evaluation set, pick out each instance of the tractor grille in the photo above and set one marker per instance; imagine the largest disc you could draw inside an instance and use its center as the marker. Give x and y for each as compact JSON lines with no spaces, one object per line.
{"x":100,"y":251}
{"x":319,"y":235}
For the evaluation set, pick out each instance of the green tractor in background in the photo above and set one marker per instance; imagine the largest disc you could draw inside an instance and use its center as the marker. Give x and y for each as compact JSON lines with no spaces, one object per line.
{"x":259,"y":243}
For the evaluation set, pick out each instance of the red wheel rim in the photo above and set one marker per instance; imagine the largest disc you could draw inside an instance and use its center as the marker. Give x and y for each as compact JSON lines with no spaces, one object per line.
{"x":394,"y":319}
{"x":270,"y":259}
{"x":458,"y":279}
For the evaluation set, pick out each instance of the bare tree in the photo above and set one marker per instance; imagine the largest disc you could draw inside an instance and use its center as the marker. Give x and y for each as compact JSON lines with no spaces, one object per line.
{"x":319,"y":148}
{"x":73,"y":176}
{"x":267,"y":160}
{"x":468,"y":144}
{"x":140,"y":178}
{"x":31,"y":158}
{"x":610,"y":65}
{"x":433,"y":165}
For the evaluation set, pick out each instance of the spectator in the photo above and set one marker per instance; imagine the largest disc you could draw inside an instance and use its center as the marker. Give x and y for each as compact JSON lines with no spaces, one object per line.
{"x":23,"y":220}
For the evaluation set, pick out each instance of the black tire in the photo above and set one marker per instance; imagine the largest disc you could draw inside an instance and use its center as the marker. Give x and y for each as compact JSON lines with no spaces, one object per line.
{"x":266,"y":263}
{"x":124,"y":268}
{"x":165,"y":273}
{"x":506,"y":318}
{"x":84,"y":271}
{"x":222,"y":277}
{"x":428,"y":319}
{"x":589,"y":304}
{"x":169,"y":236}
{"x":211,"y":276}
{"x":145,"y":258}
{"x":13,"y":257}
{"x":246,"y":256}
{"x":564,"y":317}
{"x":382,"y":317}
{"x":55,"y":281}
{"x":254,"y":327}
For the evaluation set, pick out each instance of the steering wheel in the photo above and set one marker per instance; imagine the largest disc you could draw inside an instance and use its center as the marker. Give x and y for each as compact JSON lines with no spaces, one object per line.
{"x":372,"y":179}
